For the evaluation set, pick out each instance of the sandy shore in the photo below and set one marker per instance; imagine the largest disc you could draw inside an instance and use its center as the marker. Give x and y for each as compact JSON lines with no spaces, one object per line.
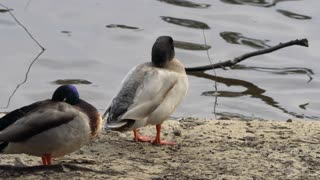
{"x":206,"y":149}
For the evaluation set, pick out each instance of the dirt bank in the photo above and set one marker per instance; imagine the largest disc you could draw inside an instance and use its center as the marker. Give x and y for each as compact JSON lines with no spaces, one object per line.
{"x":206,"y":149}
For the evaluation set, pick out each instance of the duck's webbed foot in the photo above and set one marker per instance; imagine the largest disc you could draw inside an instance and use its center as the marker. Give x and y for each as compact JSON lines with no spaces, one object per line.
{"x":139,"y":138}
{"x":158,"y":140}
{"x":46,"y":159}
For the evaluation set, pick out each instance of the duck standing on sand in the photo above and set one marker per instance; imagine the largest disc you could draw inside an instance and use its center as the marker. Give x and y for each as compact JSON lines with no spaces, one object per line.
{"x":50,"y":128}
{"x":150,"y":93}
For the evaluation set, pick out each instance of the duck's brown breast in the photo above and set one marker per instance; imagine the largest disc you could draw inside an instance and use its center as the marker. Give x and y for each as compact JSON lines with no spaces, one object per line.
{"x":94,"y":117}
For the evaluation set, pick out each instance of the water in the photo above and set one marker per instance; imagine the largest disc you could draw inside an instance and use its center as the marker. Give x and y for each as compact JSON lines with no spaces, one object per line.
{"x":95,"y":43}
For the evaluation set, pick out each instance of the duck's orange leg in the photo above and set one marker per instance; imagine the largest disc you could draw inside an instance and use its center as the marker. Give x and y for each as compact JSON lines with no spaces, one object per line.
{"x":158,"y":140}
{"x":140,"y":138}
{"x":46,"y":159}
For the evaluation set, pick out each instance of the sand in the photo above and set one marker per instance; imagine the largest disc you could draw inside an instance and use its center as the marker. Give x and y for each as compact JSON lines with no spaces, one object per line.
{"x":205,"y":149}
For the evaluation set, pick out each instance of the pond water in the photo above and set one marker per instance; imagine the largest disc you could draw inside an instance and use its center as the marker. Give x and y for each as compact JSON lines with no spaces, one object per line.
{"x":95,"y":43}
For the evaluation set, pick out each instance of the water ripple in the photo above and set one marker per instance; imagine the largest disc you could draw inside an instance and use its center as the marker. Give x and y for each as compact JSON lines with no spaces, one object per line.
{"x":121,"y":26}
{"x":293,"y":15}
{"x":281,"y":71}
{"x":68,"y":33}
{"x":185,"y":22}
{"x":5,"y":10}
{"x":260,"y":3}
{"x":191,"y":46}
{"x":71,"y":81}
{"x":238,"y":38}
{"x":185,"y":3}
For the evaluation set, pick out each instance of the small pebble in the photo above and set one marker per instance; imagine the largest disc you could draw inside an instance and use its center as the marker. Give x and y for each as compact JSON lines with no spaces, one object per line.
{"x":289,"y":120}
{"x":177,"y":132}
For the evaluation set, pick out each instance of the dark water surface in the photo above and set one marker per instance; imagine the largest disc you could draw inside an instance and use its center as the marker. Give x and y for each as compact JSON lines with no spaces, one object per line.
{"x":95,"y":43}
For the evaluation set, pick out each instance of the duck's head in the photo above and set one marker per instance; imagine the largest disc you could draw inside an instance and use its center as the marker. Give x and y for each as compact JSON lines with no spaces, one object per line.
{"x":66,"y":93}
{"x":162,"y":51}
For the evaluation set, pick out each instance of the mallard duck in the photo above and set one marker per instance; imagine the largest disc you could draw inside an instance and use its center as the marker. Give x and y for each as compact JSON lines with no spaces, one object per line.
{"x":50,"y":128}
{"x":149,"y":93}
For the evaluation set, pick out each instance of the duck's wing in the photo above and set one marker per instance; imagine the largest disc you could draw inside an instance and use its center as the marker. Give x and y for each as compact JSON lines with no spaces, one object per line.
{"x":128,"y":82}
{"x":38,"y":120}
{"x":121,"y":102}
{"x":13,"y":116}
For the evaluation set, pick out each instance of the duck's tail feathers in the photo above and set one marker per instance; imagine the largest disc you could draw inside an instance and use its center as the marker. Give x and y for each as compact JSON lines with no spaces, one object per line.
{"x":106,"y":113}
{"x":3,"y":145}
{"x":122,"y":125}
{"x":115,"y":125}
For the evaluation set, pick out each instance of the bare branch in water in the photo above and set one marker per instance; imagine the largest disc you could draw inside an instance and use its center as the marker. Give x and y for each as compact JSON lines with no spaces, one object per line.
{"x":25,"y":78}
{"x":25,"y":29}
{"x":25,"y":8}
{"x":32,"y":62}
{"x":229,"y":63}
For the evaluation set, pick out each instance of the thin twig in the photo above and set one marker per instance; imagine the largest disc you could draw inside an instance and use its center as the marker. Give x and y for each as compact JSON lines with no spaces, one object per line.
{"x":214,"y":72}
{"x":306,"y":141}
{"x":229,"y":63}
{"x":32,"y":62}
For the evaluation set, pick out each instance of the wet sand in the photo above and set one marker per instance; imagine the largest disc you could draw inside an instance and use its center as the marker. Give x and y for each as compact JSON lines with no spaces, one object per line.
{"x":206,"y":149}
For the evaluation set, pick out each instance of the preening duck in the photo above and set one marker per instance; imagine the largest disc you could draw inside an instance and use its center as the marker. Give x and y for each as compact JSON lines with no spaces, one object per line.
{"x":50,"y":128}
{"x":150,"y":93}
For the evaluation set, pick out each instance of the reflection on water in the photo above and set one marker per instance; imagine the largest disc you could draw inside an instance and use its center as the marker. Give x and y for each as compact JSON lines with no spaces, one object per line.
{"x":222,"y":93}
{"x":191,"y":46}
{"x":238,"y":38}
{"x":186,"y":3}
{"x":293,"y":15}
{"x":282,"y":71}
{"x":185,"y":22}
{"x":71,"y":81}
{"x":251,"y":90}
{"x":261,"y":3}
{"x":122,"y":26}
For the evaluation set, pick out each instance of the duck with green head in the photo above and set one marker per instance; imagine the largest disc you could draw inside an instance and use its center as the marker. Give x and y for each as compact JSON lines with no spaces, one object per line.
{"x":50,"y":128}
{"x":150,"y":93}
